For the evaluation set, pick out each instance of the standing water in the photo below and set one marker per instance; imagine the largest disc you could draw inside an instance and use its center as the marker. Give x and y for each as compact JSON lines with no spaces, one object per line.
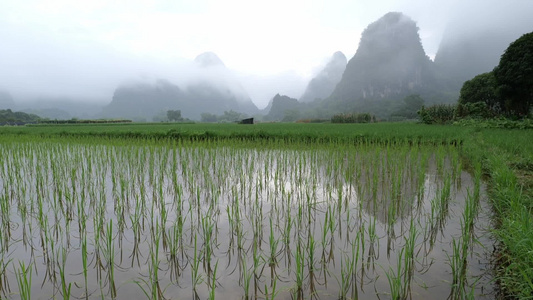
{"x":236,"y":222}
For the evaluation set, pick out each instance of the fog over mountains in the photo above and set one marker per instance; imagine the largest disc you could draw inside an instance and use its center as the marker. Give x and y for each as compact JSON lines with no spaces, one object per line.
{"x":321,"y":86}
{"x":213,"y":90}
{"x":390,"y":63}
{"x":6,"y":100}
{"x":470,"y":47}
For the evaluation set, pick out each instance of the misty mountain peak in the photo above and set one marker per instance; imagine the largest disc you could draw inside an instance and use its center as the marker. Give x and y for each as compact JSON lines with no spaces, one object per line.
{"x":339,"y":56}
{"x":323,"y":84}
{"x":208,"y":59}
{"x":389,"y":35}
{"x":390,"y":62}
{"x":278,"y":107}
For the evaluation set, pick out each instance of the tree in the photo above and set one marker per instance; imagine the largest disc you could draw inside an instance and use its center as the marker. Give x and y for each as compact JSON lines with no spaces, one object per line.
{"x":231,"y":116}
{"x":8,"y":116}
{"x":514,"y":76}
{"x":478,"y":97}
{"x":174,"y":115}
{"x":209,"y":118}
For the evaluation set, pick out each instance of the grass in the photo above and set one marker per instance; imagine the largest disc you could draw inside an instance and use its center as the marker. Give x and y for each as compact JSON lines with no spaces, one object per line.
{"x":291,"y":132}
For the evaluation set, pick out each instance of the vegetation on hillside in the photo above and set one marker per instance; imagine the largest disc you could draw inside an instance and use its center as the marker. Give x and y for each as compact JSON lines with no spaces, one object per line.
{"x":9,"y":117}
{"x":507,"y":91}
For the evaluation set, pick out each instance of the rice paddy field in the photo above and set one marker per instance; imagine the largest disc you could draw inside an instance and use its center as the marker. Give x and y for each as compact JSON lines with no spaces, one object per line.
{"x":269,"y":211}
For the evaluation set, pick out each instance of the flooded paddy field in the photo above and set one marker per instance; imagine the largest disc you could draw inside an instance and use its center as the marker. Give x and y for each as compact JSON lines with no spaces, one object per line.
{"x":181,"y":220}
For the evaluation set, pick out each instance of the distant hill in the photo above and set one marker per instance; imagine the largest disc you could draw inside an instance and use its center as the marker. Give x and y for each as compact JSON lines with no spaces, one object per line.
{"x":9,"y":117}
{"x":208,"y":59}
{"x":214,"y":92}
{"x":323,"y":84}
{"x":61,"y":108}
{"x":389,"y":64}
{"x":49,"y":113}
{"x":280,"y":107}
{"x":141,"y":100}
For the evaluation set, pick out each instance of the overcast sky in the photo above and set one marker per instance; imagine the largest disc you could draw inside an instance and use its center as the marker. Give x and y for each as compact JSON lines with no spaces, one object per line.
{"x":84,"y":48}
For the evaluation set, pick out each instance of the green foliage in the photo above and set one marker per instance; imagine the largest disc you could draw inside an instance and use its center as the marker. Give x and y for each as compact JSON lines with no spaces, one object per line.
{"x":478,"y":97}
{"x":507,"y":158}
{"x":284,"y":109}
{"x":77,"y":121}
{"x":502,"y":152}
{"x":409,"y":108}
{"x":474,"y":110}
{"x":308,"y":133}
{"x":437,"y":114}
{"x":174,"y":115}
{"x":496,"y":123}
{"x":514,"y":76}
{"x":228,"y":117}
{"x":353,"y":118}
{"x":291,"y":115}
{"x":8,"y":117}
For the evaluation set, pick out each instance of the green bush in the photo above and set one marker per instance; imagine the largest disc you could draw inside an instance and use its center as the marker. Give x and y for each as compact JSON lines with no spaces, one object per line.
{"x":476,"y":110}
{"x":437,"y":114}
{"x":353,"y":118}
{"x":496,"y":123}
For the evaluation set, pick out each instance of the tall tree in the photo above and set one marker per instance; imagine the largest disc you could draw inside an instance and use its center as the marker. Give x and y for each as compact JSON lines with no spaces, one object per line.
{"x":478,"y":97}
{"x":174,"y":115}
{"x":514,"y":76}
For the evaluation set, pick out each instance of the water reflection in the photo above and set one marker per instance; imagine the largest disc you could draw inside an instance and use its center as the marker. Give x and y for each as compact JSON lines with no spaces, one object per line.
{"x":187,"y":221}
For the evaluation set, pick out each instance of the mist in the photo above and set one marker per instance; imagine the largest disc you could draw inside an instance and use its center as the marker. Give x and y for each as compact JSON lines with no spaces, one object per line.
{"x":61,"y":52}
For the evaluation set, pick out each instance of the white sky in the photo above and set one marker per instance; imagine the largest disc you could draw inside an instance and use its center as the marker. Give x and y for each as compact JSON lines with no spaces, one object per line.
{"x":91,"y":45}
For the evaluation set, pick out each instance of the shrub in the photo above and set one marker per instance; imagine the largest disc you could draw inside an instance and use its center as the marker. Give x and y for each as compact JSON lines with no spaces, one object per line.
{"x":353,"y":118}
{"x":477,"y":110}
{"x":437,"y":114}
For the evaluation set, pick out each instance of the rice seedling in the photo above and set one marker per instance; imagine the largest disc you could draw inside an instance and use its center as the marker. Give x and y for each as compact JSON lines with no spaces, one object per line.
{"x":109,"y":254}
{"x":273,"y":253}
{"x":213,"y":283}
{"x":348,"y":276}
{"x":65,"y":288}
{"x":84,"y":264}
{"x":310,"y":216}
{"x":24,"y":276}
{"x":196,"y":277}
{"x":299,"y":271}
{"x":207,"y":248}
{"x":4,"y":282}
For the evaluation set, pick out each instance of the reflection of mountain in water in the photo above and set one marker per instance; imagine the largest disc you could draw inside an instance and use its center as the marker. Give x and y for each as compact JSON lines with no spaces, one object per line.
{"x":392,"y":187}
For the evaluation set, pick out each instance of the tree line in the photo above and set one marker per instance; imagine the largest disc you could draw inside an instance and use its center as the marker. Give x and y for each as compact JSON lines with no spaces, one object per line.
{"x":506,"y":91}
